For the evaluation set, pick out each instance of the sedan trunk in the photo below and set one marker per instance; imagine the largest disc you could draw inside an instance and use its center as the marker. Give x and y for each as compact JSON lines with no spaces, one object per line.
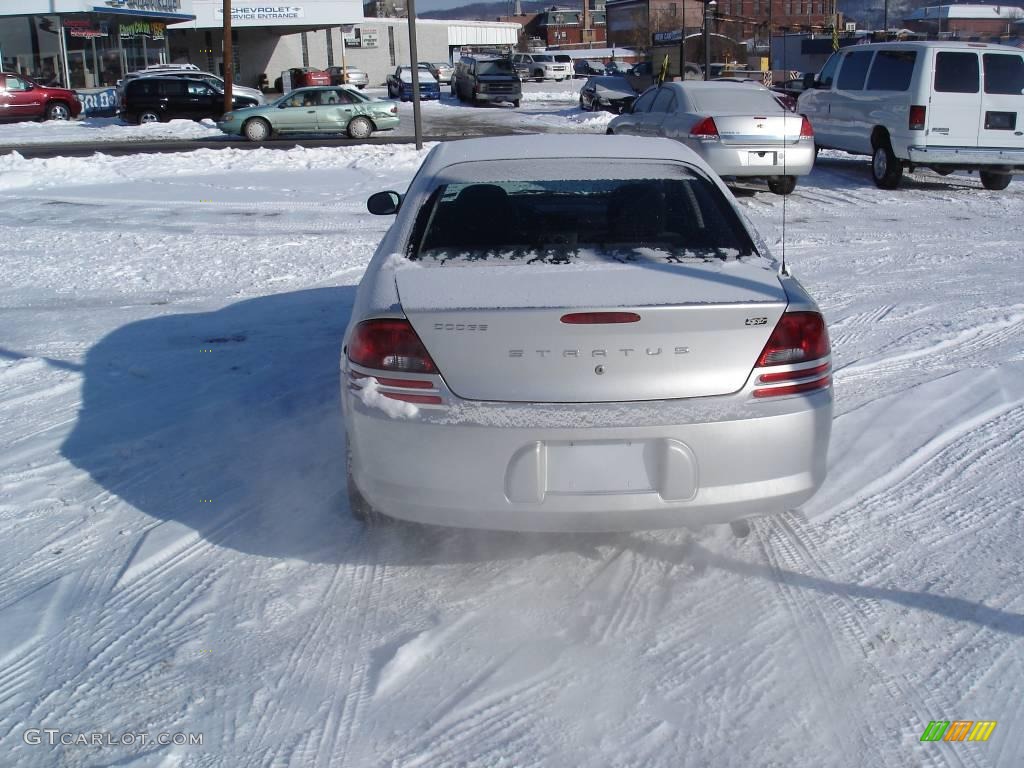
{"x":537,"y":333}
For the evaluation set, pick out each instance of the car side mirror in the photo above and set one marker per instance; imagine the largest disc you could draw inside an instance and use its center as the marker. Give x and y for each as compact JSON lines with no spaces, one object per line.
{"x":810,"y":81}
{"x":384,"y":203}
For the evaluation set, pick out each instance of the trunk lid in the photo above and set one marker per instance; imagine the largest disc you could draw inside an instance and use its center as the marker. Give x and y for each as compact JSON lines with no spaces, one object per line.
{"x":496,"y":332}
{"x":759,"y":129}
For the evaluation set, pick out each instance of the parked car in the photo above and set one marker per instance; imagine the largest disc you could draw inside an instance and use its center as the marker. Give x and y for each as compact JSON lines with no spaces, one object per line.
{"x":540,"y":67}
{"x":738,"y":131}
{"x":348,"y":75}
{"x":400,"y":85}
{"x":947,"y":106}
{"x":620,"y":352}
{"x":22,"y":98}
{"x":641,"y":76}
{"x":158,"y":99}
{"x":793,"y":87}
{"x":616,"y":69}
{"x":612,"y":94}
{"x":303,"y":77}
{"x":194,"y":73}
{"x":587,"y":67}
{"x":336,"y":109}
{"x":487,"y":79}
{"x":443,"y":71}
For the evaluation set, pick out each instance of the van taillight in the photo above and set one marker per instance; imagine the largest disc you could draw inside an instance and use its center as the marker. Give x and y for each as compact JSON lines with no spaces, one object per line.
{"x":917,"y":115}
{"x":389,"y":345}
{"x":799,"y":338}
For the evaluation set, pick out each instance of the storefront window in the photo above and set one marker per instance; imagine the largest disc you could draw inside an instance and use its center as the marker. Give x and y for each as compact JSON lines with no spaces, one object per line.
{"x":31,"y":47}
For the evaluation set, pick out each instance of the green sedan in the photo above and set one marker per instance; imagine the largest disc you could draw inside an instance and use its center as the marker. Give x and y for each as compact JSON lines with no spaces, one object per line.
{"x":313,"y":110}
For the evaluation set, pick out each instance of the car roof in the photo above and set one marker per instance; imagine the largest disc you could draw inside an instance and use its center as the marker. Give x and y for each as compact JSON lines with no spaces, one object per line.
{"x":960,"y":45}
{"x":558,"y":146}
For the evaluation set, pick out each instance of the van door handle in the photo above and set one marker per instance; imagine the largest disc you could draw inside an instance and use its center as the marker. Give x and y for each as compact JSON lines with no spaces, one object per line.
{"x":310,"y":111}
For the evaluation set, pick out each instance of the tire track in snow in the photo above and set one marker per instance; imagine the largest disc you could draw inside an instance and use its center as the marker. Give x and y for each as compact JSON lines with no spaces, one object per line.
{"x":790,"y":544}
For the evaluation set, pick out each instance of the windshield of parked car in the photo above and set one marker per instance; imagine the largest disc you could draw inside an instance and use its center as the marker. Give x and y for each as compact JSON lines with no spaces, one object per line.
{"x":494,"y":67}
{"x":671,"y":215}
{"x":544,"y":59}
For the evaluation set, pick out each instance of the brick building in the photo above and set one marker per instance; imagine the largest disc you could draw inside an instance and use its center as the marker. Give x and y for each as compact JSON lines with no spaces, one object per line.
{"x":965,"y":21}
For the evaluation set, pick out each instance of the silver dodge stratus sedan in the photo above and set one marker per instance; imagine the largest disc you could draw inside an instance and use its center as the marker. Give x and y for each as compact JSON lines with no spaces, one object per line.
{"x":579,"y":333}
{"x":739,"y":129}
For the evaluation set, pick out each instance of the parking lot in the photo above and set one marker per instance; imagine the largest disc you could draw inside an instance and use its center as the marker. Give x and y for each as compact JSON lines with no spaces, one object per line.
{"x":177,"y":553}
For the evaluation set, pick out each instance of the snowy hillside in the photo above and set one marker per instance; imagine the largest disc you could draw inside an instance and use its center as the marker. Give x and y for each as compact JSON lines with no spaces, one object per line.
{"x":176,"y":554}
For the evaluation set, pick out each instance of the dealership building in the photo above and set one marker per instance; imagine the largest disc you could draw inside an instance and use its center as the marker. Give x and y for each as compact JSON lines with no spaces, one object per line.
{"x":91,"y":44}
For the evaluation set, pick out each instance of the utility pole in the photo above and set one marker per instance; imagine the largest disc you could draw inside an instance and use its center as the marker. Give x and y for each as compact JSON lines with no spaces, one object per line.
{"x":885,"y":21}
{"x":229,"y":64}
{"x":708,"y":6}
{"x":414,"y":66}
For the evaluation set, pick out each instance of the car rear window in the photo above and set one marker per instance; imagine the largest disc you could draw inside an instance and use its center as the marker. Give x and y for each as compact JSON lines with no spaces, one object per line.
{"x":1004,"y":73}
{"x":735,"y":99}
{"x":854,"y":70}
{"x":496,"y":67}
{"x":666,"y":217}
{"x":892,"y":71}
{"x":956,"y":72}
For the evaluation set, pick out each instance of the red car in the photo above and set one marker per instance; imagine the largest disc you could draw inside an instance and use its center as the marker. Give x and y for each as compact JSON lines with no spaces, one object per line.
{"x":21,"y":98}
{"x":303,"y":77}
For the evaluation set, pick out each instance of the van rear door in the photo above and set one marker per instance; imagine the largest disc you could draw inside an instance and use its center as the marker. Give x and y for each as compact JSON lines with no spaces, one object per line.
{"x":952,"y":112}
{"x":1001,"y":122}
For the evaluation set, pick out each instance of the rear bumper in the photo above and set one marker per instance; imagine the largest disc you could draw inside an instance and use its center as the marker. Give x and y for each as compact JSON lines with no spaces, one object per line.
{"x":967,"y":157}
{"x":760,"y":160}
{"x":590,"y":467}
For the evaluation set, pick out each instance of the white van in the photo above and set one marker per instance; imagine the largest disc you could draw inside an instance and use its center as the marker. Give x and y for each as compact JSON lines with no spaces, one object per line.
{"x":947,"y":106}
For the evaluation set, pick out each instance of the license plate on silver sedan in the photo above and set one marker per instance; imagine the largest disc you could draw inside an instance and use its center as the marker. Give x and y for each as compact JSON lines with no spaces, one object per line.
{"x":761,"y":158}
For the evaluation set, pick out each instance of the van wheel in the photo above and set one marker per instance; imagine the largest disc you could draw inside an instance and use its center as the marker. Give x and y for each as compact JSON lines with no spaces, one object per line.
{"x":515,"y":104}
{"x":256,"y":130}
{"x":148,"y":116}
{"x":886,"y":168}
{"x":782,"y":185}
{"x":995,"y":181}
{"x":360,"y":128}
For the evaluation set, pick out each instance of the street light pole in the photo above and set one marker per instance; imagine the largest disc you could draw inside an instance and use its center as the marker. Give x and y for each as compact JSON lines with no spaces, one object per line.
{"x":414,"y":66}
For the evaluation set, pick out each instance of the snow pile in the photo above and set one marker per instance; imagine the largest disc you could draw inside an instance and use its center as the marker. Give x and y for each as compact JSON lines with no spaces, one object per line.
{"x":103,"y":129}
{"x":569,"y":94}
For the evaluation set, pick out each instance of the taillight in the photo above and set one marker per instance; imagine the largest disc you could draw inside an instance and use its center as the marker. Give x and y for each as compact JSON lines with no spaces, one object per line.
{"x":600,"y":318}
{"x":799,"y":337}
{"x":916,"y":120}
{"x":389,"y":345}
{"x":806,"y":131}
{"x":705,"y":129}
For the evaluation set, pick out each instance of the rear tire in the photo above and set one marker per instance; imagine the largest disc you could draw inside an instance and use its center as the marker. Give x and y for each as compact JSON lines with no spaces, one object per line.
{"x":358,"y":506}
{"x":515,"y":104}
{"x":256,"y":130}
{"x":782,"y":185}
{"x":149,"y":116}
{"x":359,"y":128}
{"x":886,"y":168}
{"x":995,"y":181}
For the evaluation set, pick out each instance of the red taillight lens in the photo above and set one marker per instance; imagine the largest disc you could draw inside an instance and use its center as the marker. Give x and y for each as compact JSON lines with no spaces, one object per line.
{"x":600,"y":318}
{"x":389,"y":345}
{"x":705,"y":129}
{"x":806,"y":131}
{"x":917,"y":115}
{"x":794,"y":389}
{"x":799,"y":337}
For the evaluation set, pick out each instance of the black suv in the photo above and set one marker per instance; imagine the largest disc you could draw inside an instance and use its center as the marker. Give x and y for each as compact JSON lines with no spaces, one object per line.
{"x":487,"y":79}
{"x":158,"y":99}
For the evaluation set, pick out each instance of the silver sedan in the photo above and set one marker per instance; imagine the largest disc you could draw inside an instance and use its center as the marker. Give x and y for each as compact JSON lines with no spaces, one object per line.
{"x":579,"y":333}
{"x":739,"y":130}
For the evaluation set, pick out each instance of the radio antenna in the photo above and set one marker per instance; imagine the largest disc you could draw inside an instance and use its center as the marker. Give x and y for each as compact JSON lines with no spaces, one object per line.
{"x":785,"y":128}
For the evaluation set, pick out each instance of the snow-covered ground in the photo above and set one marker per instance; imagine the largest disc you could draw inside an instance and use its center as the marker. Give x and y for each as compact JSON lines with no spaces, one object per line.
{"x":176,"y":554}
